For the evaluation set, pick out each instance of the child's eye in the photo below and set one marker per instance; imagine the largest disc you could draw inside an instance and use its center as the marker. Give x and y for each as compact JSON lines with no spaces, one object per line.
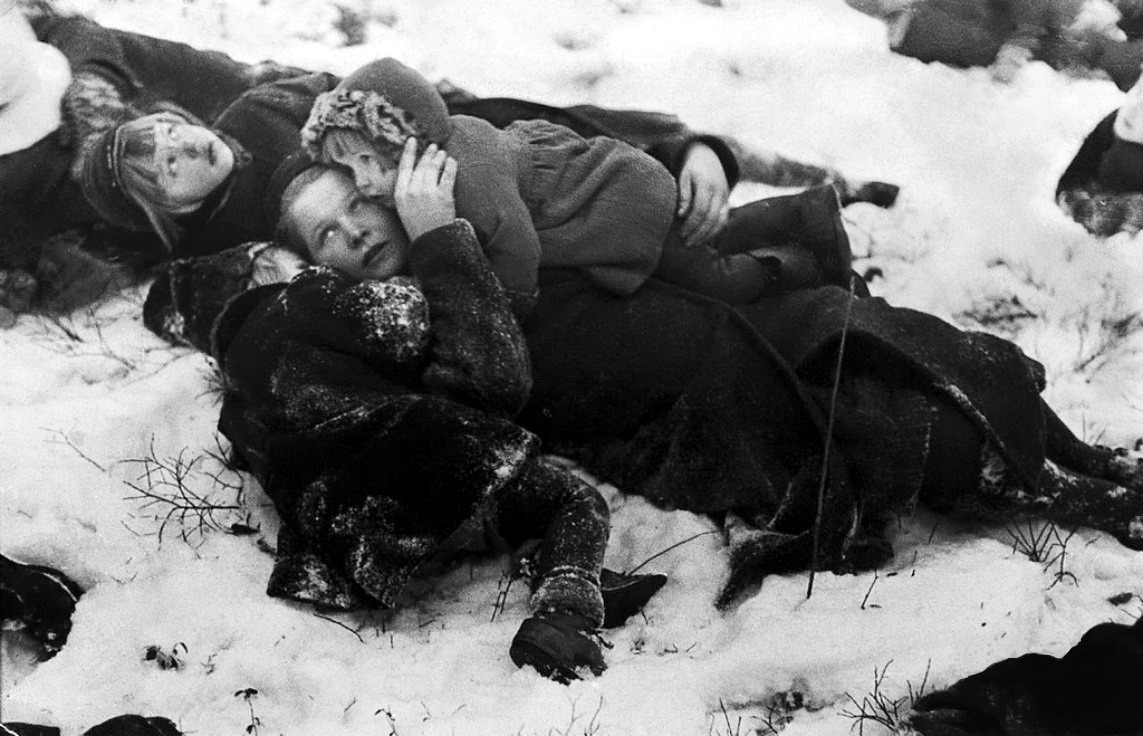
{"x":325,"y":237}
{"x":355,"y":203}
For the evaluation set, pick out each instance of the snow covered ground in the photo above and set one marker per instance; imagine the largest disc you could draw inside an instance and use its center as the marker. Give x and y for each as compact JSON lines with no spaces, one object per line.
{"x":95,"y":407}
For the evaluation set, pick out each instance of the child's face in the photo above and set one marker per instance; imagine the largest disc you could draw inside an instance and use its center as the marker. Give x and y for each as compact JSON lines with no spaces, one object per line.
{"x":375,"y":177}
{"x":189,"y":161}
{"x":343,"y":229}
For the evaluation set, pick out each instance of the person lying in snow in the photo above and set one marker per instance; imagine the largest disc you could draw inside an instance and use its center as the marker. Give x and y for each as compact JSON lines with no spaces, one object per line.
{"x":63,"y":81}
{"x":378,"y":417}
{"x":1005,"y":34}
{"x":541,"y":195}
{"x":116,"y":75}
{"x":1102,"y":188}
{"x":722,"y":410}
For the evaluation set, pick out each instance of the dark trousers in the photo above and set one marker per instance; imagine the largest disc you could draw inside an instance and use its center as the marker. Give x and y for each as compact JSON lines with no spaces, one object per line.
{"x":1070,"y":491}
{"x":572,"y":522}
{"x":759,"y":252}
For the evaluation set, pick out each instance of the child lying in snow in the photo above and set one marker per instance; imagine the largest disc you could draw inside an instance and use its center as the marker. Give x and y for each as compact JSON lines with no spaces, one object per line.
{"x":538,"y":194}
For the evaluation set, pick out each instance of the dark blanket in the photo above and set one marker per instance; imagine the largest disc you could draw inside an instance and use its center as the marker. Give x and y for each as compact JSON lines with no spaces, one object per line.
{"x":1095,"y":689}
{"x":699,"y":406}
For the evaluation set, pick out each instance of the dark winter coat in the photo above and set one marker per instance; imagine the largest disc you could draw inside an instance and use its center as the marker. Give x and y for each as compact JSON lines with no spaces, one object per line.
{"x":971,"y":32}
{"x":379,"y":427}
{"x":1102,"y":187}
{"x":703,"y":407}
{"x":537,"y":194}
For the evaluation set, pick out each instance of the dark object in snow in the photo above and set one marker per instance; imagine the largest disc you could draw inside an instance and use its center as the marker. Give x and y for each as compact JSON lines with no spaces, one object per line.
{"x":41,"y":598}
{"x":125,"y":725}
{"x":27,"y":729}
{"x":133,"y":725}
{"x":1102,"y":187}
{"x":558,"y":646}
{"x":624,"y":595}
{"x":876,"y":193}
{"x":1094,"y":689}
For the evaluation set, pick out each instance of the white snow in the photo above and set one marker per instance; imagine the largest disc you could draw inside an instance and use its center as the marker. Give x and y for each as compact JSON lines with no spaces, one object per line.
{"x":86,"y":415}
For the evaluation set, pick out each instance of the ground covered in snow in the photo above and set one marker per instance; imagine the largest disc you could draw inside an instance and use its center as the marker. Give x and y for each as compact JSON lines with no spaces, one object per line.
{"x":98,"y":413}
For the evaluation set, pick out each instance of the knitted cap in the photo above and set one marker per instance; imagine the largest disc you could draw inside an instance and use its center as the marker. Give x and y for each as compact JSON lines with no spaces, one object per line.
{"x":102,"y":185}
{"x":290,"y":168}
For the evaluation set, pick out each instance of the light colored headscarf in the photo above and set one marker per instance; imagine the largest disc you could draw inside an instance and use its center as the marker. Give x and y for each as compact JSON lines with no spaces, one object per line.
{"x":33,"y":79}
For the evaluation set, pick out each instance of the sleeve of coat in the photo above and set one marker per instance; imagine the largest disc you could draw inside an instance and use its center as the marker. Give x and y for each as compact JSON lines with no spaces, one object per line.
{"x":661,"y":135}
{"x":478,"y":355}
{"x":146,"y":69}
{"x":665,"y":137}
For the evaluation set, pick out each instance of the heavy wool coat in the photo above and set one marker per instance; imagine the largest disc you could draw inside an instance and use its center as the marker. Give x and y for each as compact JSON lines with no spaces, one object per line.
{"x":379,"y":427}
{"x":714,"y":409}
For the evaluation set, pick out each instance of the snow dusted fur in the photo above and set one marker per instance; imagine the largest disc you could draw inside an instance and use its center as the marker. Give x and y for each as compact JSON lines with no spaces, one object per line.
{"x":1104,"y":214}
{"x":975,"y":230}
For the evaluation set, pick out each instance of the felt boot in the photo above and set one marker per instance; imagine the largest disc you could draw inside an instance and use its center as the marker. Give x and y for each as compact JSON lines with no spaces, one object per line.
{"x":624,"y":595}
{"x":558,"y":645}
{"x":876,"y":193}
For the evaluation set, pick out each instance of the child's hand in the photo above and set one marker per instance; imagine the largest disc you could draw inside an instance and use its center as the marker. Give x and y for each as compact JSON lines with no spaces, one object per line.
{"x":423,"y":192}
{"x":703,"y":192}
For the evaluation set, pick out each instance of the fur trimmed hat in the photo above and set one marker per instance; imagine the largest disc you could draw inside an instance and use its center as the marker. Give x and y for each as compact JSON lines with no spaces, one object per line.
{"x":368,"y":113}
{"x":385,"y":100}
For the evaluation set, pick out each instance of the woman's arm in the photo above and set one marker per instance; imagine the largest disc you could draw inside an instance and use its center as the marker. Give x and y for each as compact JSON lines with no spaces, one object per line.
{"x":478,"y":355}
